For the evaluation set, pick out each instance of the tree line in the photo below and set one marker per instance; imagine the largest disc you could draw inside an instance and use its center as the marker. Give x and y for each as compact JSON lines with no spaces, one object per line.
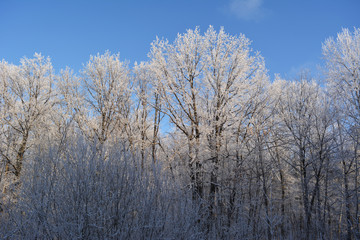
{"x":195,"y":143}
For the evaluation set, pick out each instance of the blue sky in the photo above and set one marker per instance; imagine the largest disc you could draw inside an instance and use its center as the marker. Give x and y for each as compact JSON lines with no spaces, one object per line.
{"x":288,"y":33}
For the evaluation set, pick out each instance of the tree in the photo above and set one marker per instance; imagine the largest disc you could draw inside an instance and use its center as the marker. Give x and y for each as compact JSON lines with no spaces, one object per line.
{"x":343,"y":69}
{"x":305,"y":125}
{"x":147,"y":112}
{"x":27,"y":96}
{"x":342,"y":57}
{"x":204,"y":82}
{"x":178,"y":70}
{"x":234,"y":80}
{"x":104,"y":102}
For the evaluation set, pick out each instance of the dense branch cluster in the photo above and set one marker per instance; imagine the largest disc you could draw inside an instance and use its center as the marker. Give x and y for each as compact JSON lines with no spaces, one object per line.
{"x":196,"y":143}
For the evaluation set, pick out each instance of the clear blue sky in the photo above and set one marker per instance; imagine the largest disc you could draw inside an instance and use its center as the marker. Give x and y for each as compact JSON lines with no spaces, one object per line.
{"x":288,"y":33}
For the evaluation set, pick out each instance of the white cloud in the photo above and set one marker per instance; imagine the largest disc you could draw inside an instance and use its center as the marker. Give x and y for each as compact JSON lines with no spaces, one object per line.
{"x":247,"y":9}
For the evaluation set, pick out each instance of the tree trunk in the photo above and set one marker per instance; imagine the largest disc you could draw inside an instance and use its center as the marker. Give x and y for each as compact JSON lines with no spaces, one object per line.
{"x":20,"y":154}
{"x":347,"y":203}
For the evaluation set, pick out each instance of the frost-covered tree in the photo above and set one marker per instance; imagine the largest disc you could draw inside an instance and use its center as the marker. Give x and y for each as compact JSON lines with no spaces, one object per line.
{"x":305,"y":132}
{"x":63,"y":126}
{"x":234,"y":81}
{"x":146,"y":112}
{"x":103,"y":105}
{"x":342,"y":57}
{"x":27,"y":97}
{"x":206,"y":82}
{"x":179,"y":70}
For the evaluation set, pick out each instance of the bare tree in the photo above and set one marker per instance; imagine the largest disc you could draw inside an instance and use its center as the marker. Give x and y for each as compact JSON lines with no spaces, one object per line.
{"x":147,"y":112}
{"x":342,"y":56}
{"x":105,"y":97}
{"x":27,"y":97}
{"x":305,"y":120}
{"x":179,"y":70}
{"x":205,"y":83}
{"x":233,"y":80}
